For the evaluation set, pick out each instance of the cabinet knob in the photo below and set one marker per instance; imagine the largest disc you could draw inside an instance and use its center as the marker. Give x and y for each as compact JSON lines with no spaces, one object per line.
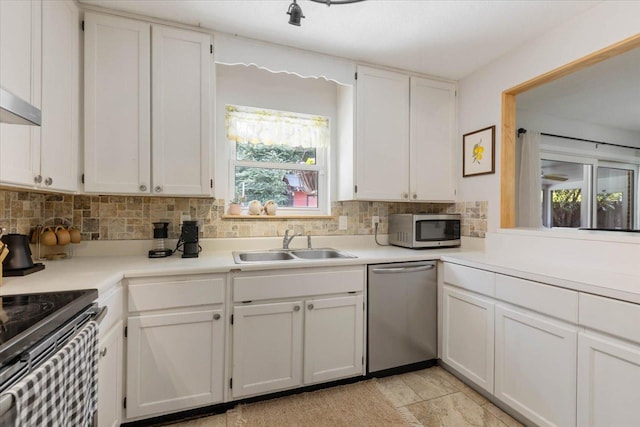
{"x":216,"y":316}
{"x":415,"y":196}
{"x":143,"y":187}
{"x":310,"y":306}
{"x":48,"y":181}
{"x":296,"y":308}
{"x":157,"y":189}
{"x":103,"y":353}
{"x":405,"y":195}
{"x":37,"y":179}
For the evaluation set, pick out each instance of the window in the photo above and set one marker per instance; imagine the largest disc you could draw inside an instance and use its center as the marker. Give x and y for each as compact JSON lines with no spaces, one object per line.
{"x":593,"y":194}
{"x":279,"y":156}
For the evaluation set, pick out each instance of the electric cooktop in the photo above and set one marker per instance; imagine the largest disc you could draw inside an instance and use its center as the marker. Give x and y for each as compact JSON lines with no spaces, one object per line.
{"x":28,"y":318}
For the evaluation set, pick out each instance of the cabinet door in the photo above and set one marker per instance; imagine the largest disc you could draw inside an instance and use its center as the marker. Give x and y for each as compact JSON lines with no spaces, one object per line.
{"x":181,"y":94}
{"x":432,"y":140}
{"x":117,"y":105}
{"x":20,"y":73}
{"x":333,"y":338}
{"x":608,"y":381}
{"x":267,"y":348}
{"x":174,"y":361}
{"x":467,"y":335}
{"x":382,"y":128}
{"x":60,"y":88}
{"x":536,"y":366}
{"x":110,"y":378}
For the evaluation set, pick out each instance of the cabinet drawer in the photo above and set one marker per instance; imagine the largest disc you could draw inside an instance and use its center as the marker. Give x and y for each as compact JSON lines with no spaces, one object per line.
{"x":175,"y":292}
{"x":546,"y":299}
{"x":114,"y":303}
{"x":480,"y":281}
{"x":297,"y":283}
{"x":609,"y":315}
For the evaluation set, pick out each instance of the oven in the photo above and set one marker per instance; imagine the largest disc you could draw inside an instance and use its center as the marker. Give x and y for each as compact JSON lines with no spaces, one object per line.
{"x":35,"y":328}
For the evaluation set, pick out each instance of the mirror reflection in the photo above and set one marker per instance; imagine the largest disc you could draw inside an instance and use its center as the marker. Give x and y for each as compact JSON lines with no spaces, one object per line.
{"x":579,"y":149}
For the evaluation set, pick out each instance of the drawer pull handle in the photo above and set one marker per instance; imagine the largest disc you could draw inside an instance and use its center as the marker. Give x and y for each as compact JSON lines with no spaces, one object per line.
{"x":216,"y":316}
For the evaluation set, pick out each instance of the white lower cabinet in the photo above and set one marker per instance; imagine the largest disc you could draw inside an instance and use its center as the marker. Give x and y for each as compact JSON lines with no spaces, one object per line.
{"x":267,"y":347}
{"x":110,"y":377}
{"x":333,"y":338}
{"x":535,"y":366}
{"x":467,"y":336}
{"x":175,"y":344}
{"x":608,"y":381}
{"x":296,"y":327}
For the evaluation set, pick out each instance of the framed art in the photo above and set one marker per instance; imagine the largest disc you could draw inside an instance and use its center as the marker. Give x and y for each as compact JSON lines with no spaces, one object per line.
{"x":478,"y":152}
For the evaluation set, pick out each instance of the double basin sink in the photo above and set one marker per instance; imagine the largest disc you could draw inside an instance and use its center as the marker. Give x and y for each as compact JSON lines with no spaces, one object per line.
{"x":282,"y":255}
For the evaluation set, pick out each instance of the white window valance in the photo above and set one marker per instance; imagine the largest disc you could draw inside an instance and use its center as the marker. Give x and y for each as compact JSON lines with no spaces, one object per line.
{"x":236,"y":50}
{"x":270,"y":127}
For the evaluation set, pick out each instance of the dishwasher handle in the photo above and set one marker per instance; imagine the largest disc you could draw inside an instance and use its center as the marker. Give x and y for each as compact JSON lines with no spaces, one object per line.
{"x":387,"y":270}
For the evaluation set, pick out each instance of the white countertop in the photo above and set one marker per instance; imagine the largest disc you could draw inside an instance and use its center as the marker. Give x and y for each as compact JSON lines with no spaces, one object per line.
{"x":576,"y":276}
{"x":103,"y":272}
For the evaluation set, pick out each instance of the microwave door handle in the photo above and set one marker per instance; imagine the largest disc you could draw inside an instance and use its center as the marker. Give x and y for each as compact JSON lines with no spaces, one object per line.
{"x":387,"y":270}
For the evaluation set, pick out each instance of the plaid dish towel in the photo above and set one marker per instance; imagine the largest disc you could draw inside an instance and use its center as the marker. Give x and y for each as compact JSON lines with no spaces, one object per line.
{"x":64,"y":390}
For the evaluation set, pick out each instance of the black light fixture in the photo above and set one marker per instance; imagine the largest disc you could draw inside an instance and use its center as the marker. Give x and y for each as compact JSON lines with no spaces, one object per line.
{"x":295,"y":11}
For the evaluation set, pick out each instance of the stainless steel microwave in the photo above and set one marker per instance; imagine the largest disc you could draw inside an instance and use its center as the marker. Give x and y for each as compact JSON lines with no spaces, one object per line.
{"x":424,"y":230}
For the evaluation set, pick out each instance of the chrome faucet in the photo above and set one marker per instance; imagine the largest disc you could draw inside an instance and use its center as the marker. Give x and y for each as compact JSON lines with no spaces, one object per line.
{"x":287,"y":239}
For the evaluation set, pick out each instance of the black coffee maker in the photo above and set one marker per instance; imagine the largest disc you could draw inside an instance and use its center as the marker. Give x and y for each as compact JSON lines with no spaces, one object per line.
{"x":189,"y":239}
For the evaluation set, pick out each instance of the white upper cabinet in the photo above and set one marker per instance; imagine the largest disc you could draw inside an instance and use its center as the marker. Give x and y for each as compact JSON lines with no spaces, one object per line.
{"x":60,"y":95}
{"x":117,"y":56}
{"x":39,"y":62}
{"x":382,"y":133}
{"x":405,"y":130}
{"x":131,"y":69}
{"x":20,"y":73}
{"x":181,"y":111}
{"x":431,"y":148}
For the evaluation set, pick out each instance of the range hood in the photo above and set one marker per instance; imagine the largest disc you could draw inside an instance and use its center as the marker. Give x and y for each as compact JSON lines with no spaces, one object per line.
{"x":16,"y":110}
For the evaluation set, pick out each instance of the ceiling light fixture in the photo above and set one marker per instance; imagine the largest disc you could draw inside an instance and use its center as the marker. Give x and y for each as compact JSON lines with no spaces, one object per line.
{"x":295,"y":11}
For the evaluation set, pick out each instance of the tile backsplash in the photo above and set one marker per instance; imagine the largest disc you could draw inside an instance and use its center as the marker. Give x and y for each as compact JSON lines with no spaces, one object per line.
{"x":130,"y":217}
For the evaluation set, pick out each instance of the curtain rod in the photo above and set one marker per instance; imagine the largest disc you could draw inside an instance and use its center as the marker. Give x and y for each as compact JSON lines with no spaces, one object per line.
{"x":523,"y":130}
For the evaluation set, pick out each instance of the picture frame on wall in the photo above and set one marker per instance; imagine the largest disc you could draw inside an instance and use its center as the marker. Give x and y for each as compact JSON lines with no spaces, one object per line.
{"x":478,"y":152}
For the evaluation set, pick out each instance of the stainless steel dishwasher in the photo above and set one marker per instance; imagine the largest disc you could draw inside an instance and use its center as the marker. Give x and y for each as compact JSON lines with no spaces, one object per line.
{"x":402,"y":330}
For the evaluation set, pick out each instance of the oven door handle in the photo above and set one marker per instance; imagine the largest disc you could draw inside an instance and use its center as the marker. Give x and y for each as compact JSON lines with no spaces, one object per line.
{"x":100,"y":313}
{"x":6,"y":403}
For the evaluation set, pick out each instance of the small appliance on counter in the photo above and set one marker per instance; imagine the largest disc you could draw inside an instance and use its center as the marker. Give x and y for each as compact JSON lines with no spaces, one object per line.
{"x":18,"y":261}
{"x":416,"y":231}
{"x":160,"y":233}
{"x":189,"y":239}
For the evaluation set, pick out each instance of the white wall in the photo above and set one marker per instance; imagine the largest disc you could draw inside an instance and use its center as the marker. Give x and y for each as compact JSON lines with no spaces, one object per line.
{"x":250,"y":86}
{"x":480,"y":94}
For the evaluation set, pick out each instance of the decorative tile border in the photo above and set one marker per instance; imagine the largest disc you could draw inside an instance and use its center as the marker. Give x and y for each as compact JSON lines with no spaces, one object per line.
{"x":130,"y":217}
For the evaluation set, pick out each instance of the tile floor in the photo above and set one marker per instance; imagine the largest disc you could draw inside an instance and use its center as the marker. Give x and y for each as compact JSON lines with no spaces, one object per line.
{"x":431,"y":398}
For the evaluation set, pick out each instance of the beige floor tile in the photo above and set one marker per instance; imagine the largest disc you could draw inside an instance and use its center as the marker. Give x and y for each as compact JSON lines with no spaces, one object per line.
{"x":454,"y":410}
{"x":397,"y":391}
{"x":440,"y":372}
{"x":427,"y":385}
{"x":501,"y":415}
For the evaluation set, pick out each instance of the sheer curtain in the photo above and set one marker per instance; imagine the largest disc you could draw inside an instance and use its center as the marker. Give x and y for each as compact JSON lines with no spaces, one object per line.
{"x":529,"y":189}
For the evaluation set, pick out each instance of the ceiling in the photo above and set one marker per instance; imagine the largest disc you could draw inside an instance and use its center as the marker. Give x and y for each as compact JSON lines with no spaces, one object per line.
{"x":606,"y":94}
{"x":448,"y":38}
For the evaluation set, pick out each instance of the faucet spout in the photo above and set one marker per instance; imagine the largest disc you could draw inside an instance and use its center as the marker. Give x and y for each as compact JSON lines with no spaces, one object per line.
{"x":287,"y":239}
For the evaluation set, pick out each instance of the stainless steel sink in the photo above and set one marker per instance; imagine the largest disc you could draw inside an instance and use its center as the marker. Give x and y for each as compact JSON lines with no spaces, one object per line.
{"x":243,"y":257}
{"x":261,"y":256}
{"x":320,"y":254}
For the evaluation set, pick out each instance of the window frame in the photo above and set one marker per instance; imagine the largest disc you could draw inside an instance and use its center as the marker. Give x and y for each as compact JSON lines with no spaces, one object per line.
{"x":321,"y":166}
